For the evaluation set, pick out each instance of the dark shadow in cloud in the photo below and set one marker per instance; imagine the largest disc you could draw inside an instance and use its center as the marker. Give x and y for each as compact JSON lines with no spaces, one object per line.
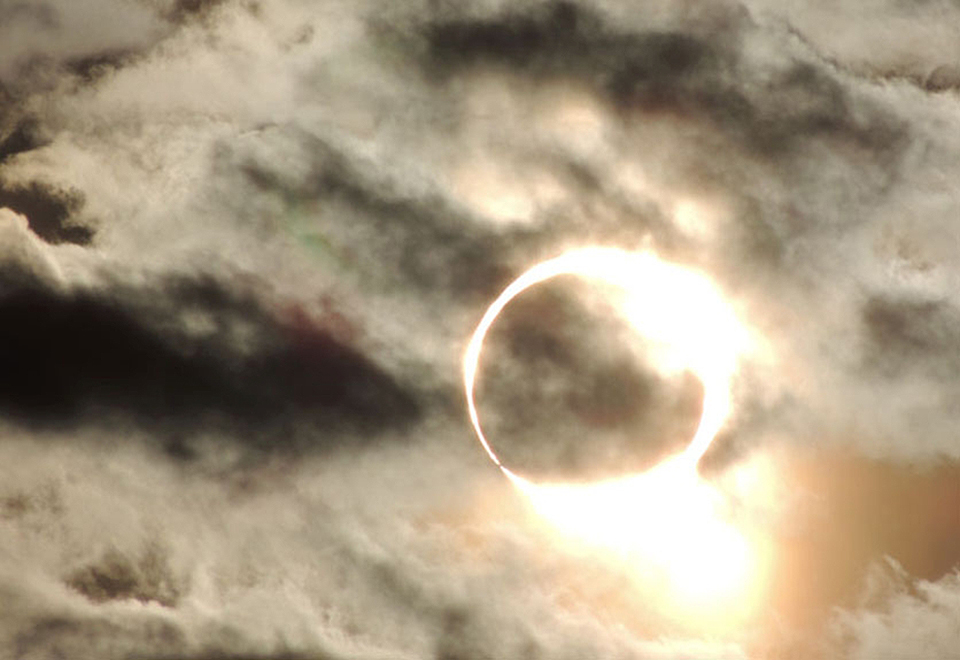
{"x":93,"y":66}
{"x":564,"y":39}
{"x":689,"y":74}
{"x":184,"y":11}
{"x":541,"y":41}
{"x":464,"y":635}
{"x":46,"y":501}
{"x":115,"y":576}
{"x":49,"y":211}
{"x":86,"y":356}
{"x":24,"y":137}
{"x":945,"y":77}
{"x":905,"y":335}
{"x":111,"y":636}
{"x":421,"y":241}
{"x":62,"y":637}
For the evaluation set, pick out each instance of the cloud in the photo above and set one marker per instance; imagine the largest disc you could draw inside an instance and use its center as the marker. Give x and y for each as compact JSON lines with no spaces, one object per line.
{"x":917,"y":623}
{"x":182,"y":353}
{"x":47,"y":212}
{"x":698,"y":74}
{"x":242,"y":245}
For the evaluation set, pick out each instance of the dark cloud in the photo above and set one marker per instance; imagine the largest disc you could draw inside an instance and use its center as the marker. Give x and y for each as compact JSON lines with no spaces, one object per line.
{"x":566,"y":40}
{"x":906,"y":334}
{"x":72,"y":637}
{"x":181,"y":11}
{"x":692,"y":74}
{"x":463,"y":636}
{"x":421,"y":240}
{"x":71,"y":357}
{"x":943,"y":78}
{"x":25,"y":136}
{"x":50,"y":211}
{"x":115,"y":576}
{"x":90,"y":67}
{"x":561,"y":38}
{"x":46,"y":500}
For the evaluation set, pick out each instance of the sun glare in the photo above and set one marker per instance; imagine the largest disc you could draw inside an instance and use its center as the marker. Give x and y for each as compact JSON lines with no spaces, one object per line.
{"x":668,"y":523}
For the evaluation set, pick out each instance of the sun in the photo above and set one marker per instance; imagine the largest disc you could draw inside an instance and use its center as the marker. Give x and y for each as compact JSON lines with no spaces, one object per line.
{"x":667,"y":522}
{"x":668,"y":526}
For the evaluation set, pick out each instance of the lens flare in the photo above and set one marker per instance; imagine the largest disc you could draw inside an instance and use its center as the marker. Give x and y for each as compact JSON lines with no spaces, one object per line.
{"x":667,"y":519}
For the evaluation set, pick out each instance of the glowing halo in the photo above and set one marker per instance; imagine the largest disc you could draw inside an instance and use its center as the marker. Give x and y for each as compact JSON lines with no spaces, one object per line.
{"x":668,"y":526}
{"x":667,"y":301}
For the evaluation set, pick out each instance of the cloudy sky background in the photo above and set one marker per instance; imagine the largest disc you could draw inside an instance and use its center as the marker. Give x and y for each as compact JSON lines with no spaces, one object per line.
{"x":243,"y":247}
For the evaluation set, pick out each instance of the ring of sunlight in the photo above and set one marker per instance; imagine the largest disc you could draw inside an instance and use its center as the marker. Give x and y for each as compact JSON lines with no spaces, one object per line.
{"x":666,"y":519}
{"x":672,"y":305}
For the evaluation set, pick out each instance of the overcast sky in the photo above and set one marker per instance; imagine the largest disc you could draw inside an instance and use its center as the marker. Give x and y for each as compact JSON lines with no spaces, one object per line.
{"x":243,"y":244}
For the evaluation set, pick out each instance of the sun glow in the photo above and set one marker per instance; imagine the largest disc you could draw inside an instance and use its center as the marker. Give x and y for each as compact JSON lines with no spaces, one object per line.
{"x":668,"y":523}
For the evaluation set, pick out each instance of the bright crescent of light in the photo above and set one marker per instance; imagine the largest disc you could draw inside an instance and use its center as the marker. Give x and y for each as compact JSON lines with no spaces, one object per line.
{"x":673,"y":304}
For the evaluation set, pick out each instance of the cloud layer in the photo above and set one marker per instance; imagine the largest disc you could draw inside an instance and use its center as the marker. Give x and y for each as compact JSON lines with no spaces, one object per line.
{"x":243,"y":243}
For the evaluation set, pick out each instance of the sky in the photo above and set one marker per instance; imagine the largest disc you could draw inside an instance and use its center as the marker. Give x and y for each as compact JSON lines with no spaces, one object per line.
{"x":244,"y":245}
